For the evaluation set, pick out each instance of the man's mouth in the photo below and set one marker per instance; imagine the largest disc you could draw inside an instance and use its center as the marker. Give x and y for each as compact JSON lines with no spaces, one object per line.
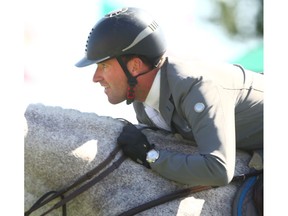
{"x":106,"y":87}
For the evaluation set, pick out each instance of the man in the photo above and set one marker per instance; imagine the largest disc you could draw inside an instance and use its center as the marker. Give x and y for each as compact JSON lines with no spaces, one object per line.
{"x":218,"y":106}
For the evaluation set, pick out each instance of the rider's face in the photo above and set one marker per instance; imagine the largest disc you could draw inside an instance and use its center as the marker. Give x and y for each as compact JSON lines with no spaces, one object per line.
{"x":111,"y":76}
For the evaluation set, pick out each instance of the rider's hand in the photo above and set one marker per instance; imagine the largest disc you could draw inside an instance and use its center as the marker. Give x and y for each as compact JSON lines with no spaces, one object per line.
{"x":134,"y":144}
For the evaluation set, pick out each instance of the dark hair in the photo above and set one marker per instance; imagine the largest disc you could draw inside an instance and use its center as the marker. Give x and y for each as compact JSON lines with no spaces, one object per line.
{"x":150,"y":62}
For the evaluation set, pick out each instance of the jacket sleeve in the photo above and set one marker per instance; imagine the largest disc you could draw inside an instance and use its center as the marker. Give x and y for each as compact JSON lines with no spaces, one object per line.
{"x":214,"y":132}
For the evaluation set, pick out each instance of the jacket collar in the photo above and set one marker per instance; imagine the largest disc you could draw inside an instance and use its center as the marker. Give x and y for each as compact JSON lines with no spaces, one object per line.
{"x":166,"y":105}
{"x":152,"y":99}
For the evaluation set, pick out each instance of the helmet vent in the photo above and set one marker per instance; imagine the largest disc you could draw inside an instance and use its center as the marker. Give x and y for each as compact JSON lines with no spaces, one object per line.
{"x":88,"y":39}
{"x":143,"y":34}
{"x":153,"y":26}
{"x":115,"y":13}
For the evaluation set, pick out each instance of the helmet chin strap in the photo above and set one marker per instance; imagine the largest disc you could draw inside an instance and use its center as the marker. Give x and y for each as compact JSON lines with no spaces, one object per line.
{"x":132,"y":81}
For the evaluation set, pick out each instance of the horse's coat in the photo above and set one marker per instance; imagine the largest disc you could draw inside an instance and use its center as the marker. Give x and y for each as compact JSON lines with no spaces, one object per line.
{"x":63,"y":144}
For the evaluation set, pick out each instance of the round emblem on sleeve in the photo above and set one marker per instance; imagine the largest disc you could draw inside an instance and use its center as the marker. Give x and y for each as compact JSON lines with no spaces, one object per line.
{"x":199,"y":107}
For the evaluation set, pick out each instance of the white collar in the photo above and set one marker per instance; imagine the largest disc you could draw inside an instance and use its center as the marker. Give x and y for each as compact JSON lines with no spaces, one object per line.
{"x":153,"y":96}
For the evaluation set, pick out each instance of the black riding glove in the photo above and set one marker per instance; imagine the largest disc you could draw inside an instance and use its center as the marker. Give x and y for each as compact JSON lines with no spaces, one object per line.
{"x":134,"y":144}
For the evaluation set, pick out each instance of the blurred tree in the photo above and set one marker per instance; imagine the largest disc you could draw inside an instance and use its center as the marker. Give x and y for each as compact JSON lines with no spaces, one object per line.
{"x":242,"y":18}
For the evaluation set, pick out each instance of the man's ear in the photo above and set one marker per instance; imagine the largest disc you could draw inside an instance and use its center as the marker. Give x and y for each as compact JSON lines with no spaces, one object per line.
{"x":134,"y":66}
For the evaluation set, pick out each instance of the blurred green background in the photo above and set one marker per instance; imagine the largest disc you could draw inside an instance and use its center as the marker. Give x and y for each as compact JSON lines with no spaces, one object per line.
{"x":55,"y":34}
{"x":240,"y":19}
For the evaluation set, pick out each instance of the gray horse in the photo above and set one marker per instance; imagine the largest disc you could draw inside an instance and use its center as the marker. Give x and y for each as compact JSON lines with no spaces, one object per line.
{"x":63,"y":144}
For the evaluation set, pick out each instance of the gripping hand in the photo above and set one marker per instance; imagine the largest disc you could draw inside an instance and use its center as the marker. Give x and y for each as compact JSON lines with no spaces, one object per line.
{"x":134,"y":144}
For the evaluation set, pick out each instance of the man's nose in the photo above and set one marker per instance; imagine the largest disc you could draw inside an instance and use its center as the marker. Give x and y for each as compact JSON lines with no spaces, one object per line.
{"x":97,"y":76}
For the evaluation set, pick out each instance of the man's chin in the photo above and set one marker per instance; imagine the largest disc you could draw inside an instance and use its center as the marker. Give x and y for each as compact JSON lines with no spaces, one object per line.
{"x":111,"y":101}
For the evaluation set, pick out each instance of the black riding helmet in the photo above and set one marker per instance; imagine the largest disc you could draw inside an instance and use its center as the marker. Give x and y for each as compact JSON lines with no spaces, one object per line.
{"x":128,"y":31}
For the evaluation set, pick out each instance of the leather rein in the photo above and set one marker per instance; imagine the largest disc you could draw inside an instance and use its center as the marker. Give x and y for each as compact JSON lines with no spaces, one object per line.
{"x":51,"y":195}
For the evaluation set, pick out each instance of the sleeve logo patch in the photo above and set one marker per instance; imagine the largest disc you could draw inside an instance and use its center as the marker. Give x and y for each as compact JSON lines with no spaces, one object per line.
{"x":199,"y":107}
